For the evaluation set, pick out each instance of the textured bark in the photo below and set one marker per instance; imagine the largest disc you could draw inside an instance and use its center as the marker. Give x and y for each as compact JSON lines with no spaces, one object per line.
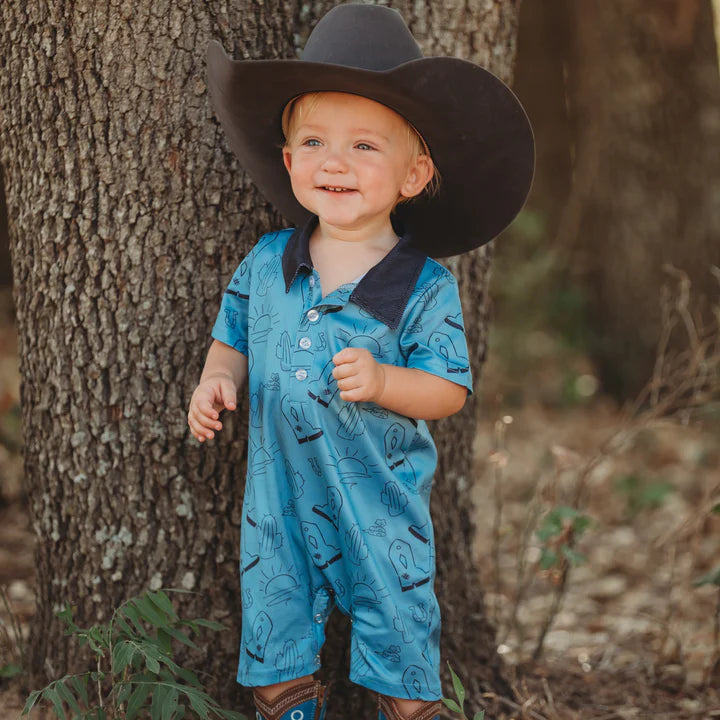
{"x":127,"y":215}
{"x":644,"y":99}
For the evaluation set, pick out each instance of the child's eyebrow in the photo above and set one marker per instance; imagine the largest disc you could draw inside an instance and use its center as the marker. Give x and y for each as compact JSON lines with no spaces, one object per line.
{"x":362,"y":131}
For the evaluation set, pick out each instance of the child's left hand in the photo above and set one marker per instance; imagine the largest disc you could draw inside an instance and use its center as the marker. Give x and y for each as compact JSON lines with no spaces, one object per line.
{"x":360,"y":377}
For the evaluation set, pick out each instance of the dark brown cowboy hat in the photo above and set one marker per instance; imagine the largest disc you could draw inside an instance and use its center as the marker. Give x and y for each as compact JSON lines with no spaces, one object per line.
{"x":477,"y":131}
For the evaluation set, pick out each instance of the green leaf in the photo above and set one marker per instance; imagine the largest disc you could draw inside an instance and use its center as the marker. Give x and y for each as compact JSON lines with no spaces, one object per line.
{"x":124,"y":692}
{"x":126,"y":629}
{"x":548,"y":558}
{"x":581,"y":524}
{"x":711,"y":578}
{"x":170,"y":704}
{"x":10,"y":671}
{"x":162,"y":601}
{"x":198,"y":705}
{"x":448,"y":702}
{"x":181,"y":636}
{"x":150,"y":613}
{"x":479,"y":715}
{"x":137,"y":700}
{"x":79,"y":682}
{"x":131,"y":613}
{"x":573,"y":557}
{"x":458,"y":686}
{"x":30,"y":702}
{"x":52,"y":695}
{"x":716,"y":509}
{"x":209,"y":624}
{"x":158,"y":699}
{"x":67,"y":696}
{"x":152,"y":664}
{"x":121,"y":656}
{"x":189,"y":677}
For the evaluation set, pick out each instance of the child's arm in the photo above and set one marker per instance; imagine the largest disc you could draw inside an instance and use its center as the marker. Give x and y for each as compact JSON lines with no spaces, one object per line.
{"x":408,"y":391}
{"x":224,"y":373}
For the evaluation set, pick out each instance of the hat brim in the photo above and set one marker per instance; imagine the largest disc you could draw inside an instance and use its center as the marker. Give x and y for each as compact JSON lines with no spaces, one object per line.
{"x":475,"y":127}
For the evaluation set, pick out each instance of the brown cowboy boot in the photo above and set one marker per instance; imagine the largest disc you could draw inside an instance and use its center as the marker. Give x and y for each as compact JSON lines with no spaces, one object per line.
{"x":300,"y":702}
{"x":388,"y":710}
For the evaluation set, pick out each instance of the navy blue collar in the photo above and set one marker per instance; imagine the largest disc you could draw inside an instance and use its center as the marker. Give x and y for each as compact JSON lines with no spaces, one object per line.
{"x":383,"y":291}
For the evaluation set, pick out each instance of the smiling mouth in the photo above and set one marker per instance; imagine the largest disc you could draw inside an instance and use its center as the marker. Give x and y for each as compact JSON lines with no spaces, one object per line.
{"x":336,"y":189}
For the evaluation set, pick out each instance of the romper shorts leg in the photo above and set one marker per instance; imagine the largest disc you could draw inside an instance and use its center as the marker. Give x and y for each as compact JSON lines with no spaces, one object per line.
{"x":296,"y":567}
{"x":284,"y":605}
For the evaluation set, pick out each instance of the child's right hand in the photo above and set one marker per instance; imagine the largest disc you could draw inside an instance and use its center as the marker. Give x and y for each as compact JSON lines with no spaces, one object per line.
{"x":213,"y":394}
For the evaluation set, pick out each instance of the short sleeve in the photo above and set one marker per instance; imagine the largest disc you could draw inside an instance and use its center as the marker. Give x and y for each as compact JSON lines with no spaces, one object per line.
{"x":432,"y":337}
{"x":231,"y":325}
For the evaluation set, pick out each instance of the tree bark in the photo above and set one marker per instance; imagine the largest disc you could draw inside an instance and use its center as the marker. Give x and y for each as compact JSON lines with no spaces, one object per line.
{"x":127,"y":215}
{"x":644,"y":101}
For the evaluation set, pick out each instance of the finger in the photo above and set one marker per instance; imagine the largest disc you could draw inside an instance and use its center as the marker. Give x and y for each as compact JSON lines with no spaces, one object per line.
{"x":353,"y":395}
{"x":206,"y":405}
{"x":345,"y":355}
{"x":228,"y":395}
{"x":349,"y":383}
{"x":344,"y":371}
{"x":204,"y":424}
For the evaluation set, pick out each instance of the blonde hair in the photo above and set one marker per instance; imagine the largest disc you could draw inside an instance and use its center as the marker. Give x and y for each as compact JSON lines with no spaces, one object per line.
{"x":304,"y":104}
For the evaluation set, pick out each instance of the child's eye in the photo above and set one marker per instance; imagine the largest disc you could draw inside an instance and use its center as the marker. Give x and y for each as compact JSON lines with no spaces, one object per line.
{"x":364,"y":146}
{"x":311,"y":142}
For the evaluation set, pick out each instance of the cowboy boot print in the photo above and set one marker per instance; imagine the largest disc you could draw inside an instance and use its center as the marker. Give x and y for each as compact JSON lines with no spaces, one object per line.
{"x":331,"y":510}
{"x":260,"y":634}
{"x":321,"y":552}
{"x":455,"y":362}
{"x":323,"y":388}
{"x":410,"y":574}
{"x":415,"y":682}
{"x":294,"y":413}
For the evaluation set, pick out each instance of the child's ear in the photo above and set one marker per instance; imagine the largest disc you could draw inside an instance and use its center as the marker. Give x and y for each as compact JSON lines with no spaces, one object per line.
{"x":287,"y":159}
{"x":419,"y":175}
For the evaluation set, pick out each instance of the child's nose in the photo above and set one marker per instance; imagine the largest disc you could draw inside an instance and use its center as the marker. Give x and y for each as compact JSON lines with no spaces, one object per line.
{"x":334,"y":161}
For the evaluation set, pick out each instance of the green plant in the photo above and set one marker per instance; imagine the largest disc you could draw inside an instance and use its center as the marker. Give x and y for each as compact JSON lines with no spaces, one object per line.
{"x":560,"y":529}
{"x":558,"y":532}
{"x":641,"y":495}
{"x":458,"y":705}
{"x":136,"y":677}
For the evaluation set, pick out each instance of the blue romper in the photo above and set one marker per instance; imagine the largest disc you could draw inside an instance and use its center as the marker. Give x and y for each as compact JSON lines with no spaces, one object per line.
{"x":336,"y":508}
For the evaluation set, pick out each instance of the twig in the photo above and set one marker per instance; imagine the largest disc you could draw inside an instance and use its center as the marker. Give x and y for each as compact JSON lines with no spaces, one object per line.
{"x":522,"y":708}
{"x":499,"y":459}
{"x":18,"y":646}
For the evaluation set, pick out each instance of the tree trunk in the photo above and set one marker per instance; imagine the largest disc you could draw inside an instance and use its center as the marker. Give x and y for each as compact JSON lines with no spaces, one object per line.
{"x":644,"y":98}
{"x":127,"y":213}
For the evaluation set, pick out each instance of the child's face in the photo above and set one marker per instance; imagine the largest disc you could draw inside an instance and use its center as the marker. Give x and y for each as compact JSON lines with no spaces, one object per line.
{"x":349,"y":161}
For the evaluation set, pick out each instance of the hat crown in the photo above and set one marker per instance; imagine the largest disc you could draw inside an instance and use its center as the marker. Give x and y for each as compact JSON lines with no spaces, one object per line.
{"x":368,"y":37}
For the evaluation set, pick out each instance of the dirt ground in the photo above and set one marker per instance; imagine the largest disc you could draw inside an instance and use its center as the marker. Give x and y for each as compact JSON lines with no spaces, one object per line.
{"x":633,"y":637}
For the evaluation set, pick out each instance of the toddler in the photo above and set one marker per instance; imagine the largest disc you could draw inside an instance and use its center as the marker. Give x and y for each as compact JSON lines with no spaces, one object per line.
{"x":350,"y":336}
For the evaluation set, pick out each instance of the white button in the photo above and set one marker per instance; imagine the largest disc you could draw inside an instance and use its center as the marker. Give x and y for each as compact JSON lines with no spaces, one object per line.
{"x":318,"y":618}
{"x":305,"y":343}
{"x":312,"y":281}
{"x":313,"y":315}
{"x":317,"y":659}
{"x":301,"y":374}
